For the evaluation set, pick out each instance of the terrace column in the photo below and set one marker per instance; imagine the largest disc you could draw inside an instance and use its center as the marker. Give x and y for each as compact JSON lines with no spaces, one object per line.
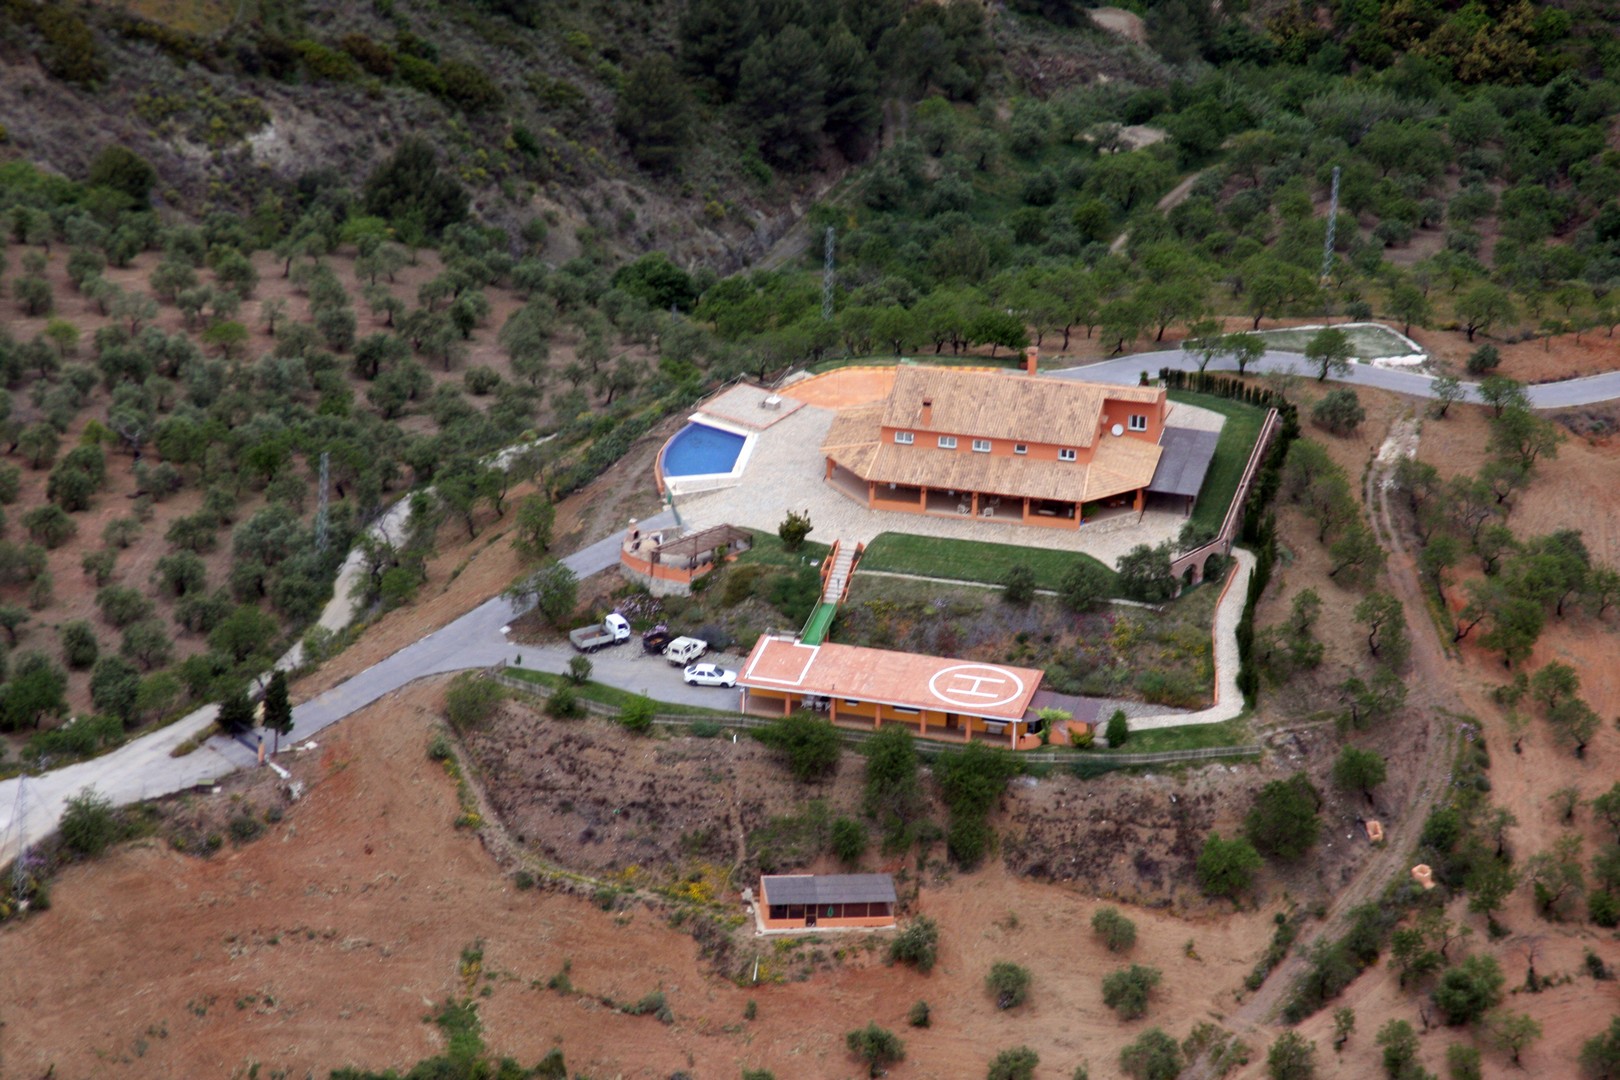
{"x":1026,"y":510}
{"x":871,"y":494}
{"x":877,"y":716}
{"x":922,"y":499}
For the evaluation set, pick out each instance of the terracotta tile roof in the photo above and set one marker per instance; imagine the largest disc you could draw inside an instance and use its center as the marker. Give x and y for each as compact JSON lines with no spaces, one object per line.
{"x":995,"y":405}
{"x":1118,"y":465}
{"x":992,"y":691}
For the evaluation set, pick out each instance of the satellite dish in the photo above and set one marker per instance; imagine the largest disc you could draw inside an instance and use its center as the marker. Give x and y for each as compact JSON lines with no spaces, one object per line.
{"x":1118,"y":431}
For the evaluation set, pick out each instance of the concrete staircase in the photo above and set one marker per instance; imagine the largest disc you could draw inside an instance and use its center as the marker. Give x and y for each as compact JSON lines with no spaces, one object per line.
{"x":836,"y":585}
{"x":835,"y":575}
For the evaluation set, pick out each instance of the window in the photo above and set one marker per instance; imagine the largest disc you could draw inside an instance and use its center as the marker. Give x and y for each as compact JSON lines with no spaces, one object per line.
{"x":1066,"y":454}
{"x":902,"y":710}
{"x":1138,"y":422}
{"x":947,"y":442}
{"x":981,"y":446}
{"x":1020,"y":448}
{"x":905,"y":438}
{"x":852,"y":703}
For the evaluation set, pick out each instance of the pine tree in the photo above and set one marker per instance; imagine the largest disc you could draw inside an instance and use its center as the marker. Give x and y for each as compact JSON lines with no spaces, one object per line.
{"x":236,"y":713}
{"x":782,"y":91}
{"x":278,"y":715}
{"x":653,"y":114}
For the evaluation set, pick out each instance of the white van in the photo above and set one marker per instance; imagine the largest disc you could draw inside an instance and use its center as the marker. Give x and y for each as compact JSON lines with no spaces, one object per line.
{"x":684,"y":650}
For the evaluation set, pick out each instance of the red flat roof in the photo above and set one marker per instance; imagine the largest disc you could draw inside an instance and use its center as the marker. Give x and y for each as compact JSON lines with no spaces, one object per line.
{"x":992,"y":691}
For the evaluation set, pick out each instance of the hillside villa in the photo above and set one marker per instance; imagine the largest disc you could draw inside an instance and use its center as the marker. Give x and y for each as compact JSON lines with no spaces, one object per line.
{"x":1022,"y":448}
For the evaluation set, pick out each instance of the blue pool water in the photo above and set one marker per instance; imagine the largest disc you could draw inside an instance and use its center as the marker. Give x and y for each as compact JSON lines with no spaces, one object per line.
{"x":698,"y":450}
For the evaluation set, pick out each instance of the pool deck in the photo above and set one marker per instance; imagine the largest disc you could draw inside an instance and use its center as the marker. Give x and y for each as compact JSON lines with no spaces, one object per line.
{"x":786,"y":472}
{"x":752,"y":408}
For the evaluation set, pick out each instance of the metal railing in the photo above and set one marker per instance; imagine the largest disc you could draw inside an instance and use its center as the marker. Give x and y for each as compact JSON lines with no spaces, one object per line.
{"x":1234,"y":513}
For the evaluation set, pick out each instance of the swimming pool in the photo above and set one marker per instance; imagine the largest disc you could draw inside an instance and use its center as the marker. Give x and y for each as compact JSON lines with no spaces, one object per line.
{"x":700,"y":450}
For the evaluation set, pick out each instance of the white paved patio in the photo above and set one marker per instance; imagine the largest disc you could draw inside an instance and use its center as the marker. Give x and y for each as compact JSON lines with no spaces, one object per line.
{"x":785,"y":473}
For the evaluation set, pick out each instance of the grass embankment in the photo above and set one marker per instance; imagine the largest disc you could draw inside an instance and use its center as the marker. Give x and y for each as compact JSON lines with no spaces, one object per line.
{"x":610,"y":696}
{"x":1232,"y":451}
{"x":1234,"y":732}
{"x":971,"y":560}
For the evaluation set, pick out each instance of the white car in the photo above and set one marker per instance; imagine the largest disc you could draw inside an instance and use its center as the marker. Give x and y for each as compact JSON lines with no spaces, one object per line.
{"x":710,"y":675}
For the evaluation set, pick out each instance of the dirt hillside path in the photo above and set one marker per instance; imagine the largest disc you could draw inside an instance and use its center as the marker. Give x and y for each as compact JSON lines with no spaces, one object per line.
{"x":1434,"y":685}
{"x":1172,"y":199}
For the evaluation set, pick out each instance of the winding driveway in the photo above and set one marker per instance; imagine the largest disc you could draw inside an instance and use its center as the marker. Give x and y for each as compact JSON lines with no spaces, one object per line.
{"x":30,"y":806}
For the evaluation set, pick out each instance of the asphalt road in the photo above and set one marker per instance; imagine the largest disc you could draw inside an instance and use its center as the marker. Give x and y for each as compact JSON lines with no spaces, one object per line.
{"x":1556,"y":395}
{"x":31,"y":806}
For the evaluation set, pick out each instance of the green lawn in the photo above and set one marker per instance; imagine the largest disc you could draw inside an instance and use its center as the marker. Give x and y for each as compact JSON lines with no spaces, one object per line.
{"x":1238,"y":434}
{"x":968,"y":560}
{"x":609,"y":695}
{"x":1233,"y":732}
{"x":768,"y":551}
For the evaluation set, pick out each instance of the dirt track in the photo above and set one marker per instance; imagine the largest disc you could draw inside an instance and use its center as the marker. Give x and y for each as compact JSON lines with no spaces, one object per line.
{"x":1434,"y":686}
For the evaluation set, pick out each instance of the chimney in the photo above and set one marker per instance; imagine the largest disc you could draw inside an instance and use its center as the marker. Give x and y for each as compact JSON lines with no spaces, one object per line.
{"x":927,"y":412}
{"x":1032,"y":358}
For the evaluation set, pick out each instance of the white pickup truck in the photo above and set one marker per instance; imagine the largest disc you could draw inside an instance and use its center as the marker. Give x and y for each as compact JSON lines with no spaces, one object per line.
{"x":613,"y":630}
{"x":684,"y":650}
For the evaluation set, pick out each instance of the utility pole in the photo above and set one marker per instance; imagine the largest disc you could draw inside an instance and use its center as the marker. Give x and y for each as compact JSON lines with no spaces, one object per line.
{"x":1332,"y":227}
{"x":827,"y":275}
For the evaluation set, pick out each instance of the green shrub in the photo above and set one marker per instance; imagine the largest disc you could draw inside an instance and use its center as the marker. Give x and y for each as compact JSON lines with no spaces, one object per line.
{"x":1117,"y":932}
{"x":1015,"y":1064}
{"x":848,"y":840}
{"x":88,"y":824}
{"x":1018,"y":585}
{"x":808,"y":743}
{"x":579,"y":670}
{"x":877,"y":1047}
{"x":326,"y":63}
{"x":470,"y":700}
{"x":245,"y":828}
{"x":1127,"y":990}
{"x":1118,"y":731}
{"x":1008,"y":984}
{"x":439,"y":748}
{"x":637,"y":714}
{"x":917,"y":945}
{"x":918,"y":1016}
{"x":563,"y":705}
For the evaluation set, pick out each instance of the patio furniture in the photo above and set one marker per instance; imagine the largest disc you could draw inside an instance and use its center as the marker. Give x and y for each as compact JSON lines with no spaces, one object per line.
{"x":988,"y":511}
{"x":963,"y":508}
